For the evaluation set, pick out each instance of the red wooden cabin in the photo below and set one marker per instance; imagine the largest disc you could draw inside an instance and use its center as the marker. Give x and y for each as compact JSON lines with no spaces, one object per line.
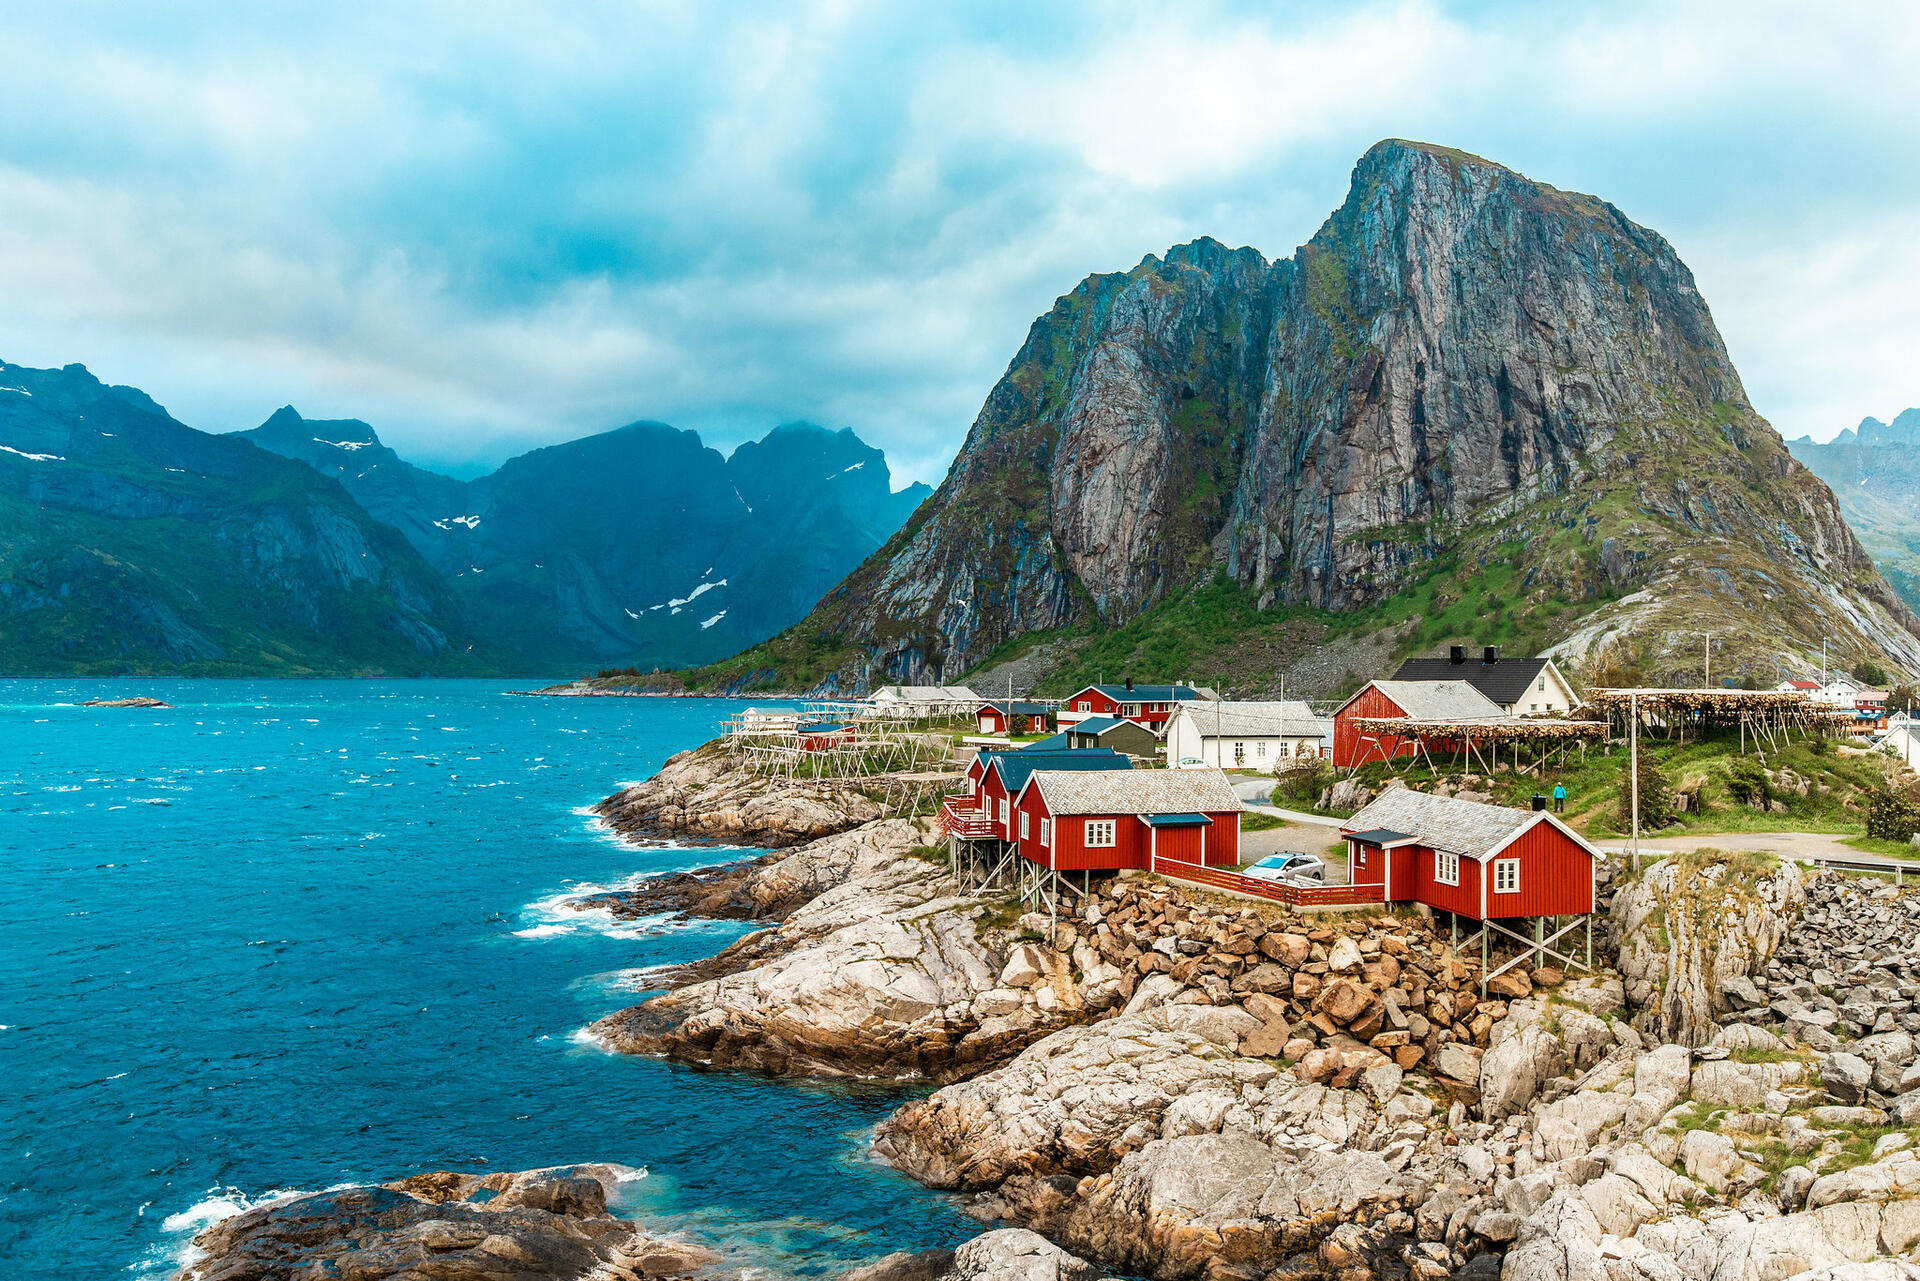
{"x":1149,"y":705}
{"x":1108,"y":821}
{"x":1482,"y":862}
{"x":820,"y":736}
{"x":995,"y":778}
{"x":1012,"y":717}
{"x":1450,"y":701}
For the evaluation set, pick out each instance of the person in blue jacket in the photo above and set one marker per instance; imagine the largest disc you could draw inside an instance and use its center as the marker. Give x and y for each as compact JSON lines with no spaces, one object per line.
{"x":1559,"y":798}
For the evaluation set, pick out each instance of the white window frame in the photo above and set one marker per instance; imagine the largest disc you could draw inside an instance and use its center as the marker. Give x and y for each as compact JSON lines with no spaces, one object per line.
{"x":1003,"y":809}
{"x":1505,"y":869}
{"x":1046,"y":832}
{"x":1446,"y":868}
{"x":1023,"y":825}
{"x":1083,"y":706}
{"x":1101,"y":834}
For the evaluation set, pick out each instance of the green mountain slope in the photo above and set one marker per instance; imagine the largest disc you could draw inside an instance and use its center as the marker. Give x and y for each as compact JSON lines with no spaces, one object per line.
{"x":130,"y":543}
{"x":1875,"y":473}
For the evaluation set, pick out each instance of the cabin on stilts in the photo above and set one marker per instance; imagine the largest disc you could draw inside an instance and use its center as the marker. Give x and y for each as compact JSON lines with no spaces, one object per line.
{"x":1515,"y":878}
{"x":980,"y":822}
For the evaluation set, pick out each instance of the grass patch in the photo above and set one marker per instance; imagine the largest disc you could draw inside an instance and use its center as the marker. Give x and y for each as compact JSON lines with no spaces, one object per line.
{"x":1877,"y":845}
{"x":1254,"y":821}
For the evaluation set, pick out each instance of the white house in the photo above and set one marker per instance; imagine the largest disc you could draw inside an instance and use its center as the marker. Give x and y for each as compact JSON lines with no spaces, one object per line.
{"x":1903,"y":741}
{"x":1262,"y":736}
{"x":1520,"y":686}
{"x":1836,"y":693}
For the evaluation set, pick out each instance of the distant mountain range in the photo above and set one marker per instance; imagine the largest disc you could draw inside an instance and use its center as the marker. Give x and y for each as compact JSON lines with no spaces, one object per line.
{"x":1874,"y":470}
{"x":1472,"y":406}
{"x":130,"y":542}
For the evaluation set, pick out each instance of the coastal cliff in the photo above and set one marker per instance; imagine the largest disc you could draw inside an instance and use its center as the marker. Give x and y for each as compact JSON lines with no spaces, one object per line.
{"x":1466,"y":384}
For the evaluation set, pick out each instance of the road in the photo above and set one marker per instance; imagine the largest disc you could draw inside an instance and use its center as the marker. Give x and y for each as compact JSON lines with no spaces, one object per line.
{"x":1805,"y":846}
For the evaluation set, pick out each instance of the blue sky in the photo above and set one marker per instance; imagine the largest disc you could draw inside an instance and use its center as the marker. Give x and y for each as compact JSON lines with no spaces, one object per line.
{"x":485,"y":227}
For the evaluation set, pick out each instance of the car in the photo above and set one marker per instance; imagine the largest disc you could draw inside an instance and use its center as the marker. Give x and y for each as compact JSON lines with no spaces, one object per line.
{"x":1289,"y":867}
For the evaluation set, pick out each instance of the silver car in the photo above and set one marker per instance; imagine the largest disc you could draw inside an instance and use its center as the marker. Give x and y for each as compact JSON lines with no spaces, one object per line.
{"x":1289,"y":867}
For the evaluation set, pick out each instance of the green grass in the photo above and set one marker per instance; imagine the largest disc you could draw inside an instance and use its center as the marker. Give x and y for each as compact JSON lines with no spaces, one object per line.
{"x":1876,"y":845}
{"x":1254,"y":821}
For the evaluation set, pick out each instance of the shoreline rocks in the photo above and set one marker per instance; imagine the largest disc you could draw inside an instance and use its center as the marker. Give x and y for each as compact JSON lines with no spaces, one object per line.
{"x":452,"y":1227}
{"x":706,"y":795}
{"x":141,"y":701}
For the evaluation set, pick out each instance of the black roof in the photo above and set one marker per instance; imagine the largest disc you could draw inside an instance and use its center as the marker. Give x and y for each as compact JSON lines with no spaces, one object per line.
{"x":1378,"y":836}
{"x":1018,"y":708}
{"x":1505,"y":681}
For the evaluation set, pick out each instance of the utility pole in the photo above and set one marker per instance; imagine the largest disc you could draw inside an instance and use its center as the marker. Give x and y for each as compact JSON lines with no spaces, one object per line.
{"x":1633,"y":769}
{"x":1709,"y":649}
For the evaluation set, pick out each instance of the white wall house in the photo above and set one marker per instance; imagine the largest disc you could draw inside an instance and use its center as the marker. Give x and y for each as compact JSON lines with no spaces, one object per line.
{"x":1258,"y":736}
{"x":1903,"y":742}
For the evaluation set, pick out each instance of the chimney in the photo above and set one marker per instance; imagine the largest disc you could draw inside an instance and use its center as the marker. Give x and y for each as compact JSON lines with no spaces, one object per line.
{"x":1539,"y":802}
{"x":1129,"y":684}
{"x":1457,"y":654}
{"x":1490,"y":655}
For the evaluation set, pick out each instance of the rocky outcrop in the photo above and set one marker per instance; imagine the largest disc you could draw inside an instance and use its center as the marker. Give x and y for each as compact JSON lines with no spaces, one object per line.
{"x":1692,"y":930}
{"x":1009,"y":1254}
{"x":1461,"y":366}
{"x":452,"y":1227}
{"x":709,"y":795}
{"x":883,"y":972}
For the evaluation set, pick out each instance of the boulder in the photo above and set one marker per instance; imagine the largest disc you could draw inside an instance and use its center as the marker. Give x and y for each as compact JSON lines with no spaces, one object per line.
{"x":1846,"y":1076}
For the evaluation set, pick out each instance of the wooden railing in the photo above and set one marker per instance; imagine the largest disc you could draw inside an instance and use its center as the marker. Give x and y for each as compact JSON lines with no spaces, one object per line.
{"x":964,"y":820}
{"x":1308,"y":896}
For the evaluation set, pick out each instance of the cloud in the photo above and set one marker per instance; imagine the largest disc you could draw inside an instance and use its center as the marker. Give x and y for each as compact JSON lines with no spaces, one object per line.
{"x":483,"y":228}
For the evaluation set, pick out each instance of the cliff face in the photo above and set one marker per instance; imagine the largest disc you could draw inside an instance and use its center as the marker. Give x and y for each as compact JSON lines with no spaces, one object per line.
{"x":1875,"y":473}
{"x":1462,"y":366}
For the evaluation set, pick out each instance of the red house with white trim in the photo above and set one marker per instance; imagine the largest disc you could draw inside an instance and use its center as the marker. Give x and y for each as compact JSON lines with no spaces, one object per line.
{"x":1108,"y":821}
{"x":1149,"y":705}
{"x":1482,"y":862}
{"x":1449,"y":701}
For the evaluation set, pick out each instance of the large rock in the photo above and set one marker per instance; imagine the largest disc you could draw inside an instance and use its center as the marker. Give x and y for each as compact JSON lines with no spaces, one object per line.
{"x":1687,"y":927}
{"x":876,"y":976}
{"x":540,"y":1223}
{"x":710,"y":795}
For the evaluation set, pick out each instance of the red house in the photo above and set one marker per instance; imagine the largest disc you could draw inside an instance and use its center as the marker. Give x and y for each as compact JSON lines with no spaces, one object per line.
{"x":1012,"y":717}
{"x":1482,"y":862}
{"x":1109,"y":820}
{"x":1148,"y":705}
{"x":995,"y":778}
{"x":1449,"y":701}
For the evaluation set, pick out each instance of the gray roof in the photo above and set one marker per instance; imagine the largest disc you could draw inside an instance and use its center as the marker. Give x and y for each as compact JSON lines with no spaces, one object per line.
{"x":1441,"y":700}
{"x":1289,"y":719}
{"x":928,"y":693}
{"x":1467,"y":828}
{"x":1148,"y":791}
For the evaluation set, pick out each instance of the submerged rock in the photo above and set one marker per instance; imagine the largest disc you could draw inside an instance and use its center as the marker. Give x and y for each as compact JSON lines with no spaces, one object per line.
{"x":450,"y":1227}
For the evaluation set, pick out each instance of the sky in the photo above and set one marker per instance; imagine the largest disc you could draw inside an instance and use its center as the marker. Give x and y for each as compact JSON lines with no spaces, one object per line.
{"x":488,"y":226}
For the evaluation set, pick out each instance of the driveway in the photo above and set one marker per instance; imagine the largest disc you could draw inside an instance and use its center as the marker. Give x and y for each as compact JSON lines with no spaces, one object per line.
{"x":1254,"y":793}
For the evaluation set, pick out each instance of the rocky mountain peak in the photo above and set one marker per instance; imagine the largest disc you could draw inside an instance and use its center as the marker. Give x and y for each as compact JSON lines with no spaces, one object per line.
{"x":1459,"y":364}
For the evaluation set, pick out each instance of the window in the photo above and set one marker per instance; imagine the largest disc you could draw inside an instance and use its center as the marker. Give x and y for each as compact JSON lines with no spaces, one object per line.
{"x":1130,"y":709}
{"x":1260,"y":747}
{"x":1359,"y":856}
{"x":1023,"y":825}
{"x":1533,"y":707}
{"x":1046,"y":831}
{"x":1100,"y":833}
{"x":1003,"y":809}
{"x":1446,"y":868}
{"x":1239,"y":753}
{"x":1506,"y":876}
{"x":1083,"y":706}
{"x":1543,"y":684}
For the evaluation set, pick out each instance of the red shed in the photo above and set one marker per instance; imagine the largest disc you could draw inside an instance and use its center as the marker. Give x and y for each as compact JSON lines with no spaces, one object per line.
{"x":821,"y":735}
{"x":1482,"y":862}
{"x":1012,"y":717}
{"x":1402,"y":700}
{"x":1108,"y":820}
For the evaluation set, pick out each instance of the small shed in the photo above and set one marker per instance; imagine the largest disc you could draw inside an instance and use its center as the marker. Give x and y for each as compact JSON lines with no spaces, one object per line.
{"x":1111,"y":731}
{"x":818,"y":736}
{"x":1012,"y":717}
{"x":1110,"y":821}
{"x":1480,"y":862}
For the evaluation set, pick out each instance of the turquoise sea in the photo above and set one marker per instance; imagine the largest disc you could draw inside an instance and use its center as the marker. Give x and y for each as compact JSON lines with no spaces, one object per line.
{"x":289,"y":935}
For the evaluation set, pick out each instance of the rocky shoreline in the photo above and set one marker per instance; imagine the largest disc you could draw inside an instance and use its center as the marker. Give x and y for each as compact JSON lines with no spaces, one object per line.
{"x":1169,"y":1084}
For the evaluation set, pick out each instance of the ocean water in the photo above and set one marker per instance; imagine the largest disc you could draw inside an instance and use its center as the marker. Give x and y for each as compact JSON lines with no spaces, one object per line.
{"x":289,"y":935}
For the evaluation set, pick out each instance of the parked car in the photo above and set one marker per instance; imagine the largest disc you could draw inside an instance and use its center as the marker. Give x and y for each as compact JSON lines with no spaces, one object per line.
{"x":1289,"y":867}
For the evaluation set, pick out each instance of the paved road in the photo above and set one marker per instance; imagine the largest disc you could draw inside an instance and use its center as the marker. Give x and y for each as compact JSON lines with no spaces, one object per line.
{"x":1255,"y":791}
{"x":1796,"y":845}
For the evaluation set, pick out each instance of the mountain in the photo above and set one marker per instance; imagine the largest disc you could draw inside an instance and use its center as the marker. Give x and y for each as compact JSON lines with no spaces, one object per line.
{"x":1875,"y":473}
{"x":131,"y":543}
{"x":637,"y":546}
{"x":1471,"y":406}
